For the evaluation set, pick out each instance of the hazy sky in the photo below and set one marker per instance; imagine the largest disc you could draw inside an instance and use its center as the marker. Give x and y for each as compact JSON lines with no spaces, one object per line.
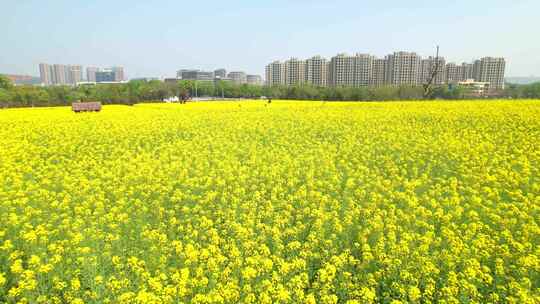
{"x":156,"y":38}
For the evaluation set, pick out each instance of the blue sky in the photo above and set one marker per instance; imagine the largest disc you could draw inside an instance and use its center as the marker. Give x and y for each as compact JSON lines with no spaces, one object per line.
{"x":156,"y":38}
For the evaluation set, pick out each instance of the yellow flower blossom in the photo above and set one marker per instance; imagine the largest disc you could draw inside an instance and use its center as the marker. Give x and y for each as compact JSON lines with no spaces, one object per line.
{"x":293,"y":202}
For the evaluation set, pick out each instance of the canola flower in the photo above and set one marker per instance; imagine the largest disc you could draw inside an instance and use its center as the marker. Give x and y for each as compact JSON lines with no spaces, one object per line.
{"x":304,"y":202}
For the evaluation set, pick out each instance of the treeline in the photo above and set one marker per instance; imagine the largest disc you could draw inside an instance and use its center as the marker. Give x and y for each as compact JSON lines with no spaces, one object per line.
{"x":157,"y":91}
{"x":126,"y":93}
{"x":527,"y":91}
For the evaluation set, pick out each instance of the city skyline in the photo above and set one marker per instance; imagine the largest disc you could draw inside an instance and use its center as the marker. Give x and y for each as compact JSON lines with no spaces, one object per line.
{"x":60,"y":74}
{"x":395,"y":69}
{"x":70,"y":74}
{"x":150,"y":40}
{"x":221,"y":74}
{"x":305,"y":67}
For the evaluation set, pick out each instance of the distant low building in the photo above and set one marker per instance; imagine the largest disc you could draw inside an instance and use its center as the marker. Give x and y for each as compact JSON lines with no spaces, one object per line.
{"x":23,"y":79}
{"x":195,"y":75}
{"x":220,"y":73}
{"x":105,"y":76}
{"x":112,"y":82}
{"x":145,"y":79}
{"x":226,"y":79}
{"x":86,"y":83}
{"x":93,"y":83}
{"x":238,"y":77}
{"x":112,"y":74}
{"x":522,"y":80}
{"x":254,"y":79}
{"x":181,"y":72}
{"x":475,"y":88}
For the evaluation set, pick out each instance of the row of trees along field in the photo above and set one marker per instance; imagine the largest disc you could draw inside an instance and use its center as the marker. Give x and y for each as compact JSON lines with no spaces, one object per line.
{"x":157,"y":91}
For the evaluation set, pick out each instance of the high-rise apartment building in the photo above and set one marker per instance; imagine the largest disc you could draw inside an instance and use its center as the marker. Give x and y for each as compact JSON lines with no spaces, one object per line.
{"x":459,"y":73}
{"x":427,"y":68}
{"x":476,"y":70}
{"x":492,"y":70}
{"x":341,"y":71}
{"x":357,"y":70}
{"x":91,"y":74}
{"x":453,"y":73}
{"x":378,"y":72}
{"x":275,"y":73}
{"x":439,"y":64}
{"x":238,"y":77}
{"x":466,"y":71}
{"x":402,"y":68}
{"x":295,"y":71}
{"x":118,"y":73}
{"x":363,"y":68}
{"x":45,"y":73}
{"x":59,"y":73}
{"x":316,"y":71}
{"x":398,"y":68}
{"x":74,"y":74}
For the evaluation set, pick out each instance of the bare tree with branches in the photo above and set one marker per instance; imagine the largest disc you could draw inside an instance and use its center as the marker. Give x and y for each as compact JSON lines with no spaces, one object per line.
{"x":434,"y":70}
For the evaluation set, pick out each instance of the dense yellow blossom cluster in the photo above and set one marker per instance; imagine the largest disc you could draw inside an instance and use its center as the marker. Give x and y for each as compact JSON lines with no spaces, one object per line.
{"x":306,"y":202}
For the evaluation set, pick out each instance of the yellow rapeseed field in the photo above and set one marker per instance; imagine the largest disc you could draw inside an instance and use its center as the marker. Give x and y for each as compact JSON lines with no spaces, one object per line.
{"x":289,"y":202}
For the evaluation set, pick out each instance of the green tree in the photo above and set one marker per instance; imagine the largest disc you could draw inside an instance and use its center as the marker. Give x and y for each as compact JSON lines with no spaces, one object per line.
{"x":5,"y":98}
{"x":5,"y":83}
